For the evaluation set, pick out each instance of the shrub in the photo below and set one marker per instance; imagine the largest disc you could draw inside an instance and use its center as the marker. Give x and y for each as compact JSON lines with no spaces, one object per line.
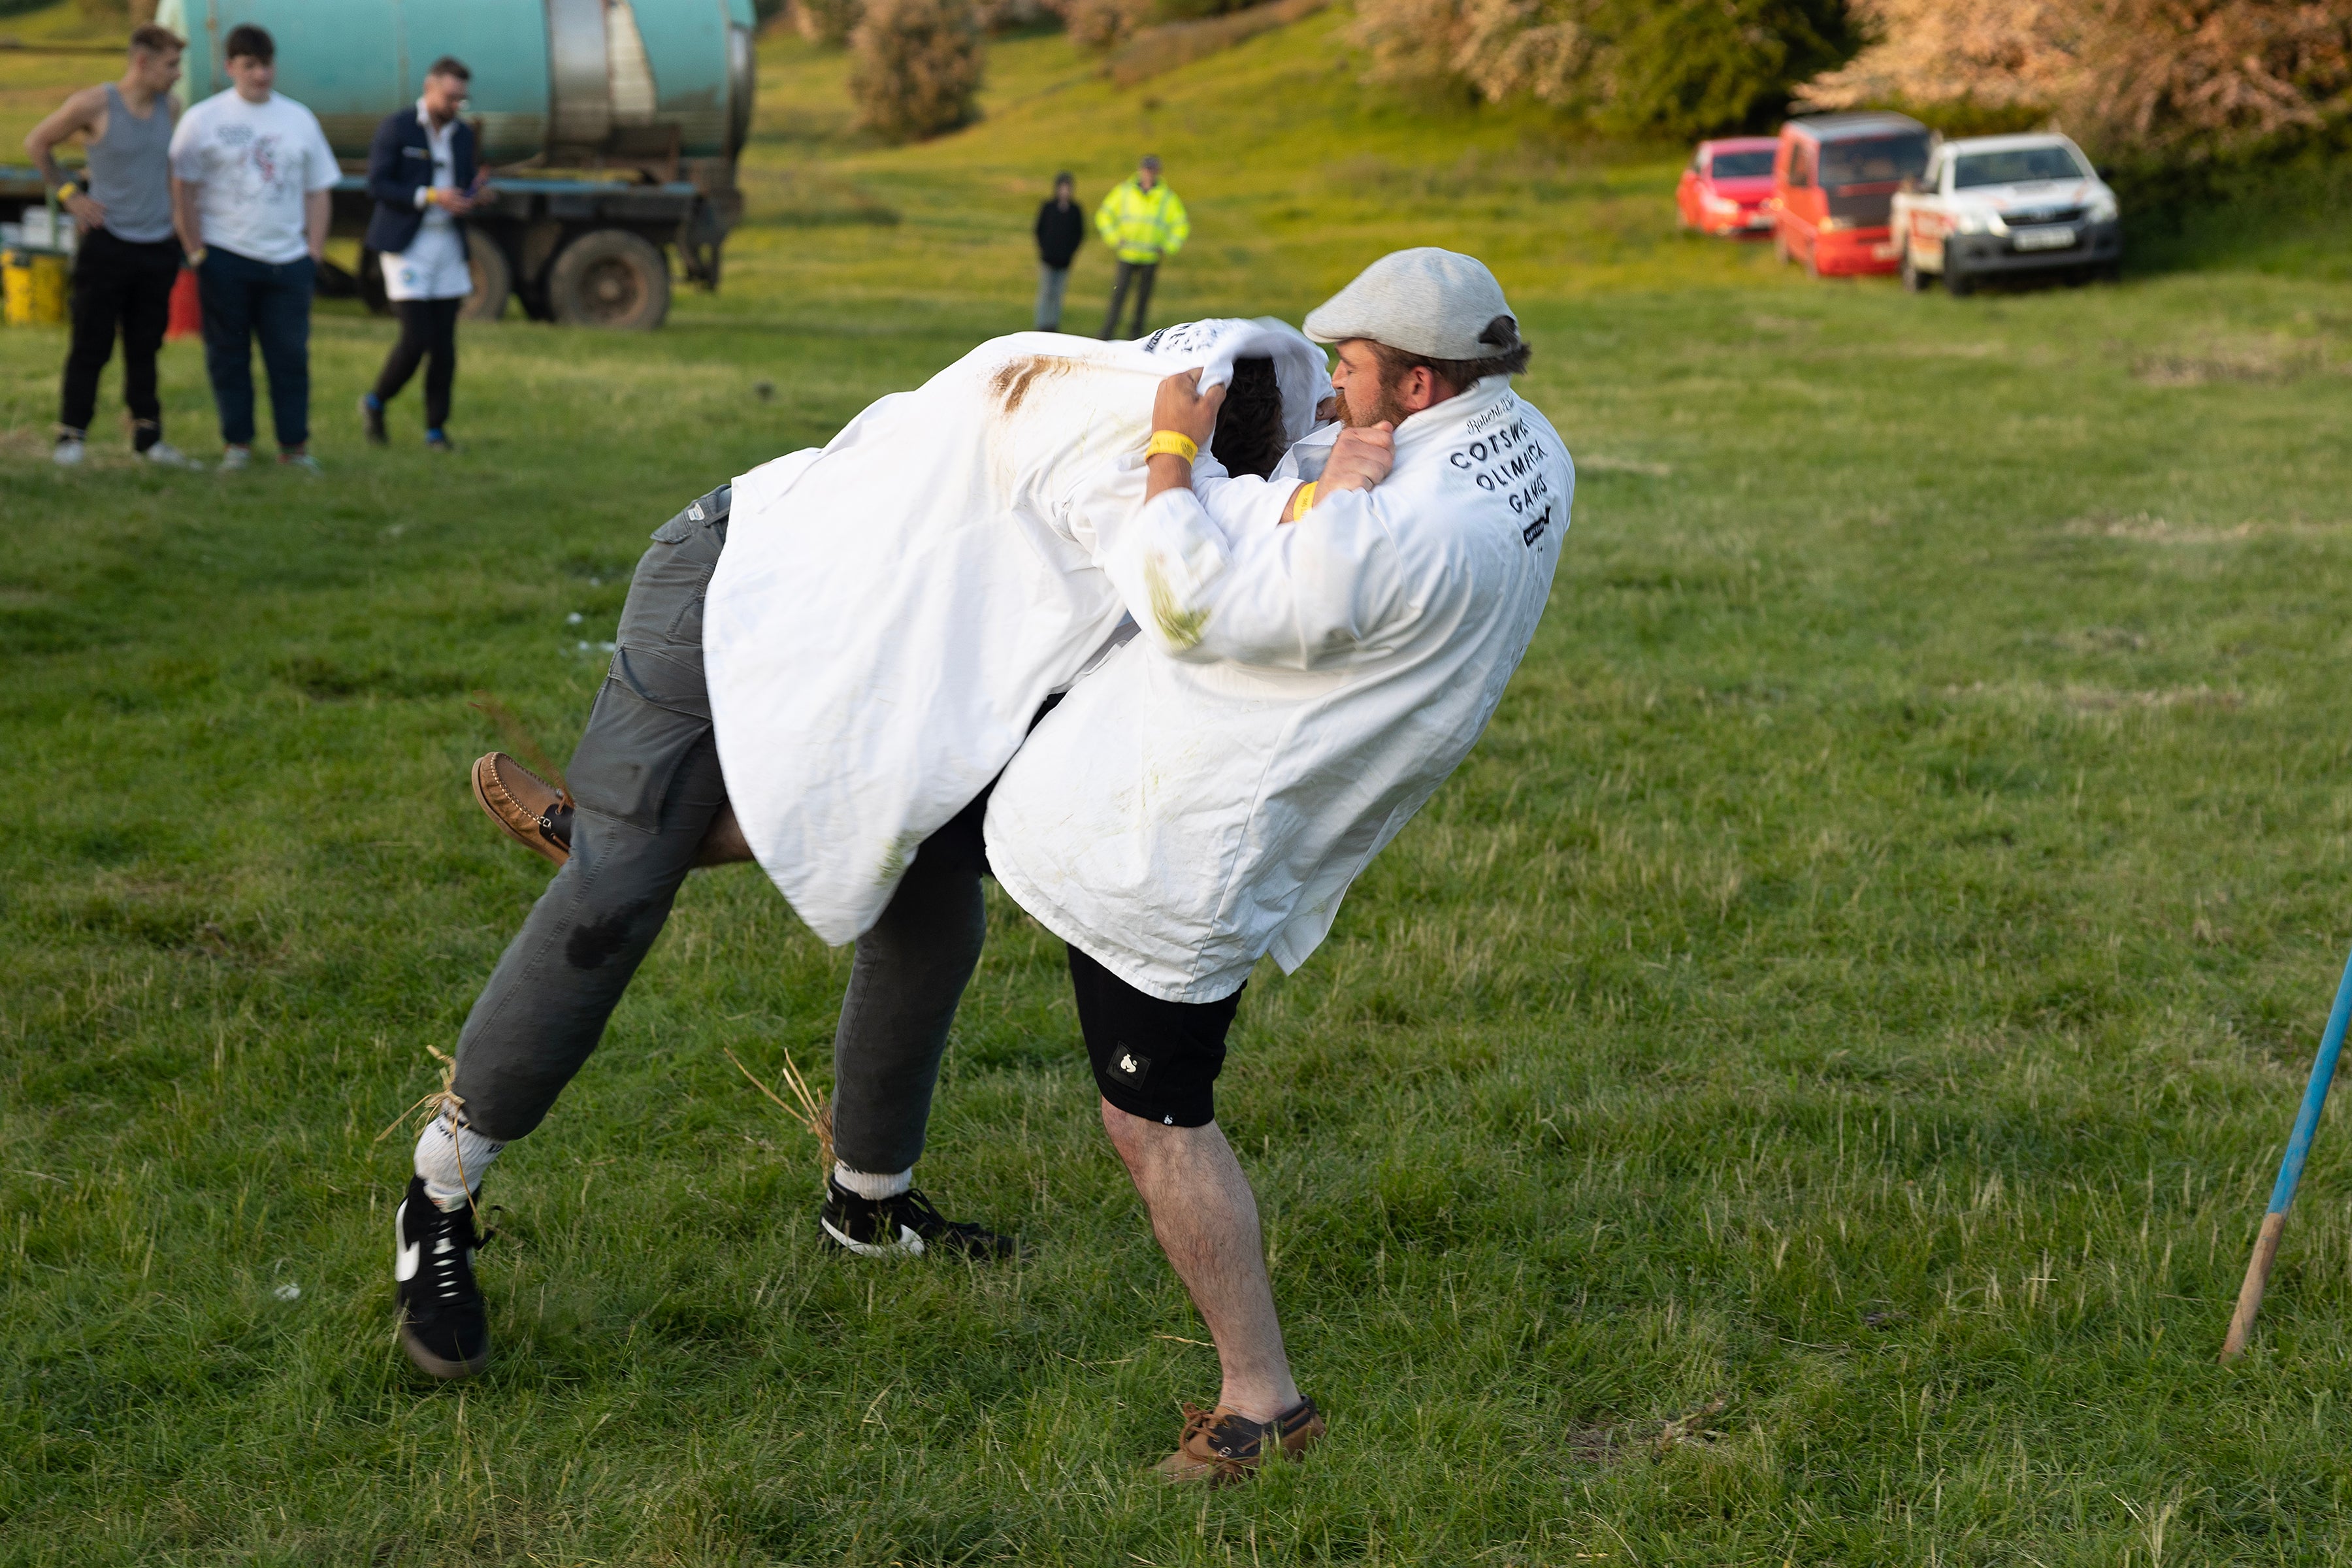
{"x":2160,"y":81}
{"x":1003,"y":15}
{"x":1099,"y":26}
{"x":825,"y":21}
{"x":830,"y":22}
{"x":1696,"y":66}
{"x":1173,"y":45}
{"x":1678,"y":67}
{"x":918,"y":66}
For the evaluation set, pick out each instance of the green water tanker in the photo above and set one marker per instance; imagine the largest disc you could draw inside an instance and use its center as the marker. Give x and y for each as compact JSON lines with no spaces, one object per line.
{"x":611,"y":127}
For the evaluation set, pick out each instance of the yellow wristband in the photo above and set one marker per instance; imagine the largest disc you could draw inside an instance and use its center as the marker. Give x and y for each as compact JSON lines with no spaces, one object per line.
{"x":68,"y":190}
{"x":1171,"y":443}
{"x":1301,"y":501}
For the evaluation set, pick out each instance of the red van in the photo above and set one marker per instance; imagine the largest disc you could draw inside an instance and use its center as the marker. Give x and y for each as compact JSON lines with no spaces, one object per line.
{"x":1834,"y":182}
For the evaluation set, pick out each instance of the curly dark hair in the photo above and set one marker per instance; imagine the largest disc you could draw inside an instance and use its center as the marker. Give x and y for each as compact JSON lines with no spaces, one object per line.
{"x":1249,"y":434}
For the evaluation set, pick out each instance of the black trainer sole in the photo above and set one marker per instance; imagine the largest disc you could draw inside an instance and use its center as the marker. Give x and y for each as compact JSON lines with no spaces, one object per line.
{"x":434,"y":1366}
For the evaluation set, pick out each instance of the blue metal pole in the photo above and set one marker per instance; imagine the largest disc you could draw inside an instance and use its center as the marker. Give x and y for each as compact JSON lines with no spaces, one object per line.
{"x":2298,"y":1149}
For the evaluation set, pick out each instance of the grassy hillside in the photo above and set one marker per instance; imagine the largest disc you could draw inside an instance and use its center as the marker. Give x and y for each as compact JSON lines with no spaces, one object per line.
{"x":31,"y":85}
{"x":1799,"y":1095}
{"x":1294,"y":176}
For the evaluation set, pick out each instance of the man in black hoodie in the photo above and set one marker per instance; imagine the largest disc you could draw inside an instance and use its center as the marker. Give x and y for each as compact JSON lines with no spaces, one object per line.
{"x":1061,"y":226}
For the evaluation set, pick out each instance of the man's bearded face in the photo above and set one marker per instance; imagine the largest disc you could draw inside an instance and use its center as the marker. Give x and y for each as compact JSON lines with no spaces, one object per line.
{"x":1381,"y":405}
{"x":1368,"y":394}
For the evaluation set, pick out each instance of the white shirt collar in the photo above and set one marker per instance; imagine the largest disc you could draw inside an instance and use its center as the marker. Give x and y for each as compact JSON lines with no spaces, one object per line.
{"x":433,"y":134}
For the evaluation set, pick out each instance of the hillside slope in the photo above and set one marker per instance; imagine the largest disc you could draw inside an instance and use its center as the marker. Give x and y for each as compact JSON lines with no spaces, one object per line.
{"x":1296,"y":175}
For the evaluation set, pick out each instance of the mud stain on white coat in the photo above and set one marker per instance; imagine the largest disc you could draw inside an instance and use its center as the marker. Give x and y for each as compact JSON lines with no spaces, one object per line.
{"x":1012,"y":381}
{"x":1180,"y":627}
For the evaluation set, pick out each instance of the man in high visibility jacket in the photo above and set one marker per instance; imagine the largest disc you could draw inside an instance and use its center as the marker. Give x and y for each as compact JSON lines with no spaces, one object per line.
{"x":1144,"y":222}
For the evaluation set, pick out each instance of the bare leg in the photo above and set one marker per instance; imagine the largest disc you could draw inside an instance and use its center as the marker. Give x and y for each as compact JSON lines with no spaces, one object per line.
{"x":1207,"y":1220}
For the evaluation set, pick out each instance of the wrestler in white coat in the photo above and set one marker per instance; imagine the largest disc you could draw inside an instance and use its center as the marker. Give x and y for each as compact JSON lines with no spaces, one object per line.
{"x":890,"y":611}
{"x":1298,"y":690}
{"x":1209,"y":793}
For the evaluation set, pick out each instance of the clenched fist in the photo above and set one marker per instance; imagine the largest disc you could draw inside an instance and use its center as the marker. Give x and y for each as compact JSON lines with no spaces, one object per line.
{"x":1181,"y":405}
{"x":1360,"y":458}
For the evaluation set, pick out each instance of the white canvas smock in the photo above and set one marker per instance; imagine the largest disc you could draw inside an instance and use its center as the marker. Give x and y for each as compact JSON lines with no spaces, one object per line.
{"x":1208,"y":795}
{"x":890,"y":611}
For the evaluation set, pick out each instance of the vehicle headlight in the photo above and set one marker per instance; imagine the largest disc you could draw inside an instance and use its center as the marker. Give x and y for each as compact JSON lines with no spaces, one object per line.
{"x":1965,"y":222}
{"x":2103,"y":208}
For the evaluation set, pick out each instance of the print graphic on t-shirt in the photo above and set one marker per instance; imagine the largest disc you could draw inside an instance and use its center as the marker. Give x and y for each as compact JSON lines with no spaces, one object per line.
{"x":253,"y":164}
{"x":257,"y":157}
{"x":255,"y":160}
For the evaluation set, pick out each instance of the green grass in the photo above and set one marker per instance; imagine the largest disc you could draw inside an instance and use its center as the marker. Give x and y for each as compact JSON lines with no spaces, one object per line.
{"x":1864,"y":977}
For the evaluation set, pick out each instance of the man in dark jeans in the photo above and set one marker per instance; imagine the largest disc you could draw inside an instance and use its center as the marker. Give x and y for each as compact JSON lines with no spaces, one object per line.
{"x":250,"y":173}
{"x":128,"y":260}
{"x":1061,"y":227}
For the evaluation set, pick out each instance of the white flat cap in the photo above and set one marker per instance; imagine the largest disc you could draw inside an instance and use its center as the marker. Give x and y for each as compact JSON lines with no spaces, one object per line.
{"x":1429,"y":301}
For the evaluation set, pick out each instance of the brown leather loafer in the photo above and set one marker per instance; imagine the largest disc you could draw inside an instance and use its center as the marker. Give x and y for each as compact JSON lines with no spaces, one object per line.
{"x":536,"y":816}
{"x":1220,"y":1446}
{"x":526,"y":809}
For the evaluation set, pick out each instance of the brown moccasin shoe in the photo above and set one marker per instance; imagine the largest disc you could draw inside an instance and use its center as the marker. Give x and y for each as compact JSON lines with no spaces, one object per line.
{"x":530,"y":810}
{"x":1220,"y":1446}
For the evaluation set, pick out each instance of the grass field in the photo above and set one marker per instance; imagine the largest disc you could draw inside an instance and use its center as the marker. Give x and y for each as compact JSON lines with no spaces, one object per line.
{"x":1801,"y":1094}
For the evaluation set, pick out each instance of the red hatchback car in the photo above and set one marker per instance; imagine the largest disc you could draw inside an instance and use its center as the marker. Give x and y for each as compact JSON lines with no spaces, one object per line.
{"x":1834,"y":185}
{"x":1726,"y":186}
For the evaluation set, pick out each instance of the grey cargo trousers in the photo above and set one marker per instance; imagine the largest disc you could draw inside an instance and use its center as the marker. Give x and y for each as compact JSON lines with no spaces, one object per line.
{"x":647,"y":783}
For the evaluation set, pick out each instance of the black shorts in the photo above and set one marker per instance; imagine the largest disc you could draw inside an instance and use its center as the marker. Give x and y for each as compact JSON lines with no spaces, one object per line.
{"x":1155,"y":1059}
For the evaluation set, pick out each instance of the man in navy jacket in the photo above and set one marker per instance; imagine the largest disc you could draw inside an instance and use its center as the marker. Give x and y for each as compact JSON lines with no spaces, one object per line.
{"x":422,"y":173}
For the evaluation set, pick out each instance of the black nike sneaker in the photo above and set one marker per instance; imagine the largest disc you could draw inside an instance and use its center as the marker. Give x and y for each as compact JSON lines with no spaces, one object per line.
{"x":880,"y":1227}
{"x":443,"y":1324}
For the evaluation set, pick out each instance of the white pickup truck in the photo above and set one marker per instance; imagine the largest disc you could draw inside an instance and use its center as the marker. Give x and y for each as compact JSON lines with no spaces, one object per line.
{"x":1991,"y":204}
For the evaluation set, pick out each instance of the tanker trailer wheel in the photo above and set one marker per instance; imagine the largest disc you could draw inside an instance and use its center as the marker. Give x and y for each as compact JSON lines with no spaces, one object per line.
{"x":486,"y":258}
{"x":610,"y":278}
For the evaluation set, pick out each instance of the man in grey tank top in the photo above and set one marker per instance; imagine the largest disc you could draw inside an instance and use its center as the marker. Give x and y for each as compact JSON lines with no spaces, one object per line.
{"x":128,"y":259}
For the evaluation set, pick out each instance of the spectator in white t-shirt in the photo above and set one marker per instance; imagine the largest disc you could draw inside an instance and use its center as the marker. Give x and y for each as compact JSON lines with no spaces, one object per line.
{"x":251,"y":172}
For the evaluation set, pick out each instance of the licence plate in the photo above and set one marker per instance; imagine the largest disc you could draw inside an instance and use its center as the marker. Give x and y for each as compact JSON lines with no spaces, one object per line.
{"x":2053,"y":238}
{"x":1760,"y":220}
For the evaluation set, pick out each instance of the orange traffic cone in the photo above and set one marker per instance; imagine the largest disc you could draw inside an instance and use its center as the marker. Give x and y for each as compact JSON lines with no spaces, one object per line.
{"x":187,"y":310}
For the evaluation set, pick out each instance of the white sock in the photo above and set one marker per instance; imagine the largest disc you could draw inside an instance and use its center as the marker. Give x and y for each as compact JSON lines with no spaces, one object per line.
{"x":438,"y":1149}
{"x":864,"y":1184}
